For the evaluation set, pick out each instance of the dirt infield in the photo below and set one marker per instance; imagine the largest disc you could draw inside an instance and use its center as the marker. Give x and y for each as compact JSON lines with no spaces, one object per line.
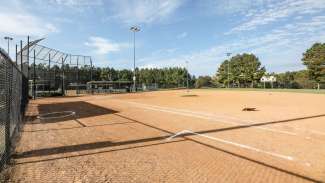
{"x":131,"y":138}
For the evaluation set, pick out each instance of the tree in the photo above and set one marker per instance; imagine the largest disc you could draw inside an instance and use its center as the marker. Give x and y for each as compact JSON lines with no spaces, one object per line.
{"x":168,"y":77}
{"x":314,"y":59}
{"x":296,"y":79}
{"x":222,"y":73}
{"x":203,"y":81}
{"x":284,"y":80}
{"x":243,"y":69}
{"x":125,"y":75}
{"x":104,"y":74}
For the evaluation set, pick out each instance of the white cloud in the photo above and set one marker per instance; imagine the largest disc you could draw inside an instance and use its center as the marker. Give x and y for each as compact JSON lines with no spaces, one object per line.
{"x":148,"y":11}
{"x":279,"y":50}
{"x":167,"y":51}
{"x":24,"y":24}
{"x":79,"y":7}
{"x":278,"y":11}
{"x":103,"y":46}
{"x":233,"y":6}
{"x":74,"y":3}
{"x":182,"y":35}
{"x":17,"y":21}
{"x":161,"y":62}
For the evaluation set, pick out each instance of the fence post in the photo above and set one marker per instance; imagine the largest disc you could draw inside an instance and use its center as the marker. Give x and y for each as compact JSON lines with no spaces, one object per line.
{"x":49,"y":80}
{"x":54,"y":70}
{"x":62,"y":77}
{"x":16,"y":54}
{"x":34,"y":78}
{"x":91,"y":75}
{"x":77,"y":92}
{"x":91,"y":69}
{"x":27,"y":75}
{"x":22,"y":100}
{"x":8,"y":103}
{"x":21,"y":56}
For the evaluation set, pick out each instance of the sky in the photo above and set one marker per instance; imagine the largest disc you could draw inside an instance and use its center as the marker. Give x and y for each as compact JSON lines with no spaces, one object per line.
{"x":172,"y":31}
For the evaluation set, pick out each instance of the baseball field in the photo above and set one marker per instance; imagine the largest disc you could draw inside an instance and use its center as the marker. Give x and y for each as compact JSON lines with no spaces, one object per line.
{"x":173,"y":136}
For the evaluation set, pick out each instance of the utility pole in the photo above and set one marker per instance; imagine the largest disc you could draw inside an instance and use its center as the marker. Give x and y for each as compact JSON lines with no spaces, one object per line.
{"x":134,"y":29}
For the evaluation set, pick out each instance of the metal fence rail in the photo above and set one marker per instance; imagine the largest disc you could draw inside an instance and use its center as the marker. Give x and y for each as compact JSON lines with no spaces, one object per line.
{"x":13,"y":102}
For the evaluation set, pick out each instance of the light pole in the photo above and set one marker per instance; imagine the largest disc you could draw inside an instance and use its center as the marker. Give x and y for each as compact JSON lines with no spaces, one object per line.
{"x":134,"y":29}
{"x":228,"y":73}
{"x":8,"y":39}
{"x":187,"y":75}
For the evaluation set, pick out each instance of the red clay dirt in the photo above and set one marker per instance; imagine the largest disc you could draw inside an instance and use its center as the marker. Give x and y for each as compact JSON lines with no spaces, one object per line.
{"x":123,"y":138}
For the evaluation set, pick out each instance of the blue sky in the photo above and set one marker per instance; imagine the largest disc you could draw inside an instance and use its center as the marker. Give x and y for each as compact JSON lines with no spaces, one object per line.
{"x":172,"y":31}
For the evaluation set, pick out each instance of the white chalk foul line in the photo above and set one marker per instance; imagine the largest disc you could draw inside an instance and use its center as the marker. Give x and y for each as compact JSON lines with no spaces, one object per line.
{"x":309,"y":131}
{"x":242,"y":121}
{"x":204,"y":116}
{"x":289,"y":158}
{"x":225,"y":119}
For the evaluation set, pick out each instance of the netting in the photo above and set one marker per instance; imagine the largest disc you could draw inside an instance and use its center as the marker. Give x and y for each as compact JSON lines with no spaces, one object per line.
{"x":13,"y":101}
{"x":53,"y":72}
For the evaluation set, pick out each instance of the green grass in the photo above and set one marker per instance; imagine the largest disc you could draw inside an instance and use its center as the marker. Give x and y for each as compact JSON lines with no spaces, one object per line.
{"x":314,"y":91}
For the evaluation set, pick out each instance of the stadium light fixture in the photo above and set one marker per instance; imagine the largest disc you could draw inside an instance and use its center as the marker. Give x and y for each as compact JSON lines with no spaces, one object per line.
{"x":134,"y":29}
{"x":8,"y":40}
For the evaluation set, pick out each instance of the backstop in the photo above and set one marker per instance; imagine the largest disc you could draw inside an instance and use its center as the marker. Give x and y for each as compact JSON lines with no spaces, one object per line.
{"x":53,"y":72}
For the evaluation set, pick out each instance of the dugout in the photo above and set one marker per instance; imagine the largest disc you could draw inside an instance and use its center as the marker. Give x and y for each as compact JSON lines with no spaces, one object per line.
{"x":109,"y":86}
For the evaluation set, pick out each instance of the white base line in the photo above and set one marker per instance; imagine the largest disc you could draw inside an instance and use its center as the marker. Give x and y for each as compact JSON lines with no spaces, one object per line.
{"x":202,"y":116}
{"x":309,"y":131}
{"x":225,"y":119}
{"x":289,"y":158}
{"x":241,"y":121}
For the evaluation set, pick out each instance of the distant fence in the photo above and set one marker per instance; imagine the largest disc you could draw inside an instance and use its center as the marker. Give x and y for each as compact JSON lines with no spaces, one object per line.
{"x":13,"y":102}
{"x":100,"y":87}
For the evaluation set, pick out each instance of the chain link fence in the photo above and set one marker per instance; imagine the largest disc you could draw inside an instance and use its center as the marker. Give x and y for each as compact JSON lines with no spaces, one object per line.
{"x":53,"y":72}
{"x":13,"y":101}
{"x":37,"y":71}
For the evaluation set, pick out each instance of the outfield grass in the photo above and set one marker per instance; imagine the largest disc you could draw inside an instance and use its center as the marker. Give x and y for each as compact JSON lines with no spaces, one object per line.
{"x":322,"y":91}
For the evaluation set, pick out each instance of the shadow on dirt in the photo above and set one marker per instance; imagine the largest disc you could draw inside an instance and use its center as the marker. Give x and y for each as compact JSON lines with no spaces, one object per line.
{"x":61,"y":111}
{"x":77,"y":127}
{"x":137,"y":144}
{"x":189,"y":95}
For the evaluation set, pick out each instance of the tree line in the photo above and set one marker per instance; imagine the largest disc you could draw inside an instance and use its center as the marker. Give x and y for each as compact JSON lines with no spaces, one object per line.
{"x":169,"y":77}
{"x":245,"y":70}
